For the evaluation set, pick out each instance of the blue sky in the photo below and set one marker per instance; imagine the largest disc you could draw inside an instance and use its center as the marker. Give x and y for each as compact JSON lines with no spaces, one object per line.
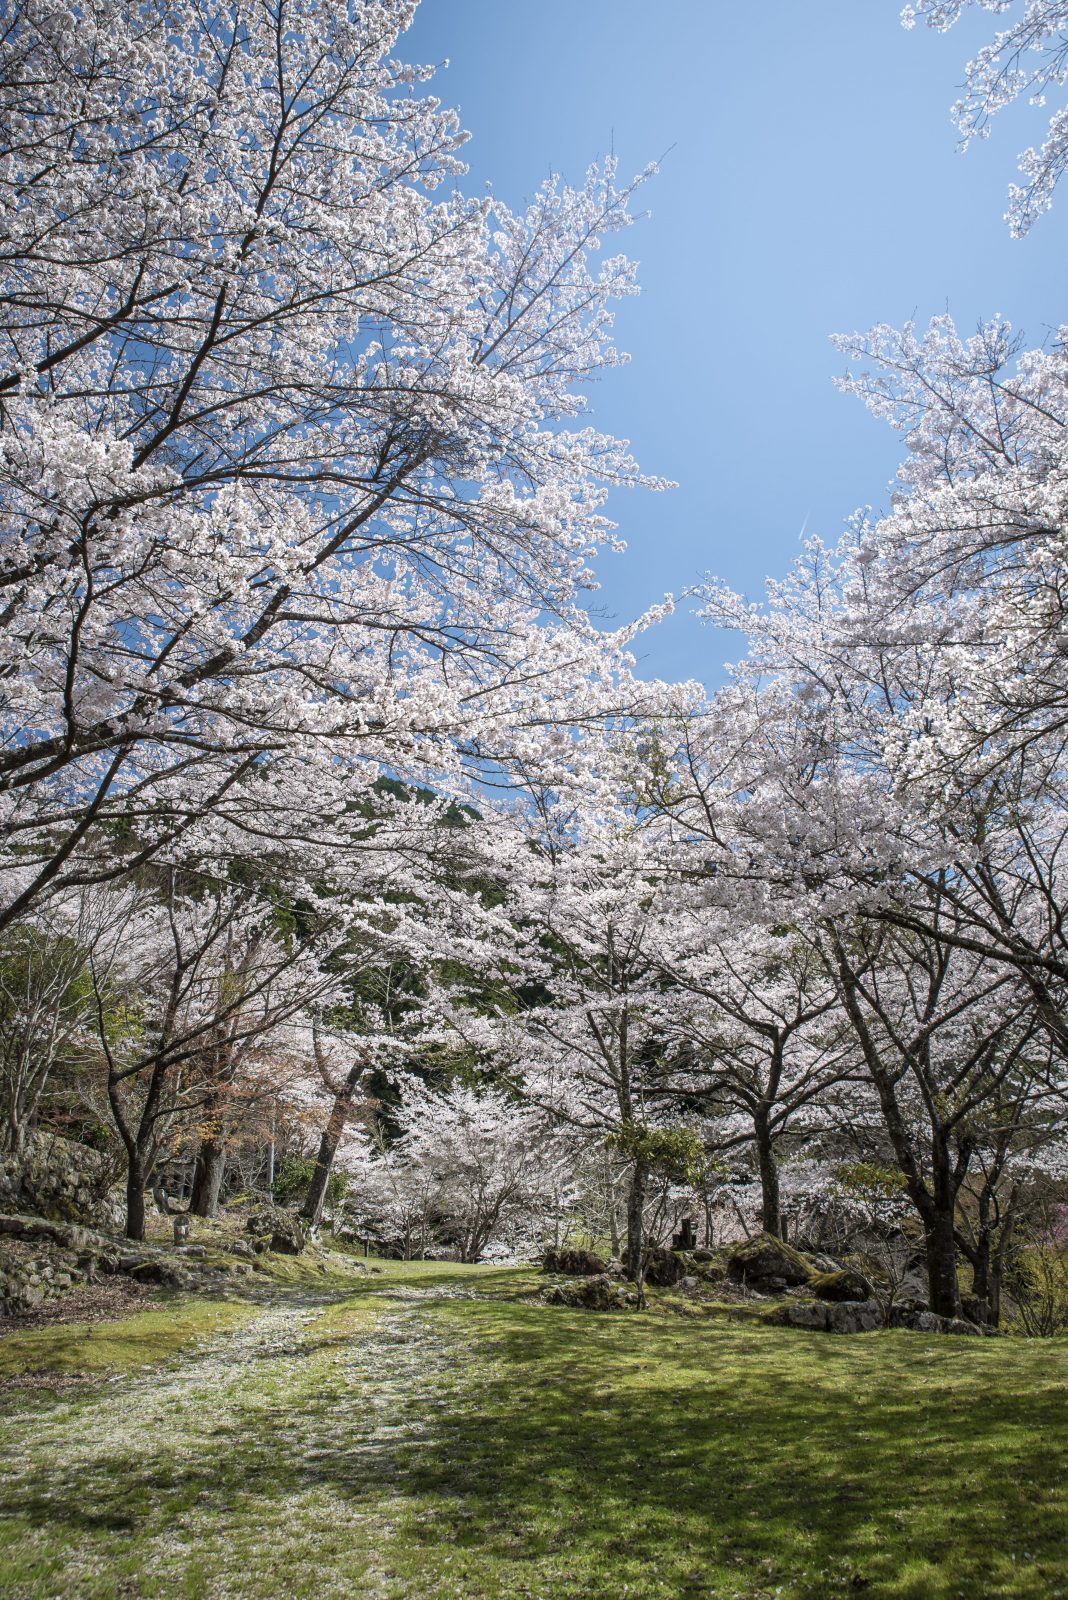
{"x":814,"y":186}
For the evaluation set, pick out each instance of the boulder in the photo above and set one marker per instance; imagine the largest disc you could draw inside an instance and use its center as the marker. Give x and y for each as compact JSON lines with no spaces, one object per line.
{"x":275,"y":1229}
{"x":154,"y":1269}
{"x":923,"y":1321}
{"x":600,"y":1293}
{"x":238,"y":1247}
{"x":844,"y":1284}
{"x":704,"y":1265}
{"x":904,"y":1312}
{"x":854,"y":1316}
{"x":663,"y":1268}
{"x":822,"y":1263}
{"x":571,"y":1261}
{"x":767,"y":1264}
{"x":814,"y":1314}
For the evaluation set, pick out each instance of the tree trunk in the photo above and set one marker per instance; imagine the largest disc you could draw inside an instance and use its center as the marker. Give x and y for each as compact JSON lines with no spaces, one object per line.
{"x":312,"y":1209}
{"x":771,"y":1216}
{"x":983,"y":1291}
{"x":942,"y":1264}
{"x":208,"y":1176}
{"x":635,"y":1221}
{"x":135,"y":1198}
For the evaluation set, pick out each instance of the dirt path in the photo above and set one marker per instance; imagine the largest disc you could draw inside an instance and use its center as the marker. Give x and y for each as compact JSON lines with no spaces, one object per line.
{"x":267,"y":1462}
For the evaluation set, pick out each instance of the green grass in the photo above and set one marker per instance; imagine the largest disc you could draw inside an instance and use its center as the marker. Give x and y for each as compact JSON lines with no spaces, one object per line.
{"x":144,"y":1339}
{"x":439,"y":1435}
{"x":705,"y":1460}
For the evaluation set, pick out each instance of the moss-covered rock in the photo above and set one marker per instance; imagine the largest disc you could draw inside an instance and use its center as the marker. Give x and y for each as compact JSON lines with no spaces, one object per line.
{"x":813,"y":1314}
{"x":844,"y":1284}
{"x":600,"y":1293}
{"x":767,"y":1264}
{"x":663,"y":1268}
{"x":572,"y":1262}
{"x":854,"y":1316}
{"x":707,"y":1265}
{"x":272,"y":1228}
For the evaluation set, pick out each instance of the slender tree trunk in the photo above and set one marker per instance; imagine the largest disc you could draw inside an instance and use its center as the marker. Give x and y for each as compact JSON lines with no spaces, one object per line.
{"x":984,"y":1291}
{"x":135,"y":1196}
{"x":635,"y":1220}
{"x":613,"y":1229}
{"x":312,"y":1209}
{"x":771,"y":1216}
{"x":208,"y":1176}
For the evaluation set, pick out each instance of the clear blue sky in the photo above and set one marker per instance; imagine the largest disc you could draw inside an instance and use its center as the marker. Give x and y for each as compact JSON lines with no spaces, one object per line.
{"x":814,"y":187}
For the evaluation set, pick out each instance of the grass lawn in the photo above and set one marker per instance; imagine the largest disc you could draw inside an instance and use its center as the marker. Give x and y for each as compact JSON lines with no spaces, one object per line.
{"x":141,"y":1340}
{"x":441,"y":1435}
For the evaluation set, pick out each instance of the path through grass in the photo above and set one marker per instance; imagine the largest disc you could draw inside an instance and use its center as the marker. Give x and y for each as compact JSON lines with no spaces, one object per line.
{"x":440,"y":1435}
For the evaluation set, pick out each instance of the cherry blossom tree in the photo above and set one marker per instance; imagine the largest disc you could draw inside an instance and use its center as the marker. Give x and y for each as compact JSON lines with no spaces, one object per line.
{"x":563,"y":989}
{"x":884,"y":774}
{"x":295,"y":484}
{"x":759,"y":1039}
{"x":48,"y":1002}
{"x":202,"y":975}
{"x":1027,"y":57}
{"x":479,"y":1161}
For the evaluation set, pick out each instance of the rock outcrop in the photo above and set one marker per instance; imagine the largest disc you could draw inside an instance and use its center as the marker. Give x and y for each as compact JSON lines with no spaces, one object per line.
{"x":767,"y":1265}
{"x":572,"y":1262}
{"x":664,"y":1268}
{"x":844,"y":1283}
{"x":272,"y":1228}
{"x":600,"y":1293}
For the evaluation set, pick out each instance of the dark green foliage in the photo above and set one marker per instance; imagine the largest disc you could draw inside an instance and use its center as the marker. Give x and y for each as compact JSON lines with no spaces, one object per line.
{"x":294,"y":1177}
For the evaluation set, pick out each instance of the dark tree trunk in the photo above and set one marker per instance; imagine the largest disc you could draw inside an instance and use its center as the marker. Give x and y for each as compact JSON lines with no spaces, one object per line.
{"x":312,"y":1209}
{"x":984,"y":1289}
{"x":208,"y":1176}
{"x":942,"y":1263}
{"x":135,"y":1198}
{"x":992,"y":1241}
{"x":635,"y":1221}
{"x":771,"y":1216}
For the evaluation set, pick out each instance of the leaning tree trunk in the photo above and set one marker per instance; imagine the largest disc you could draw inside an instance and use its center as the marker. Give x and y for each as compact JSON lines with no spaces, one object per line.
{"x":312,"y":1209}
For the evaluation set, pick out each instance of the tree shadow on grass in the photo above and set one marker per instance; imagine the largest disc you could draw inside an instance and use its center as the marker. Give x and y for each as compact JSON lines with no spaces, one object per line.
{"x":583,"y":1453}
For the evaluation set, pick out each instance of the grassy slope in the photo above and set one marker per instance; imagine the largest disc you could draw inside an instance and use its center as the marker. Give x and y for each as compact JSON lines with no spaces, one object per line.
{"x":477,"y":1447}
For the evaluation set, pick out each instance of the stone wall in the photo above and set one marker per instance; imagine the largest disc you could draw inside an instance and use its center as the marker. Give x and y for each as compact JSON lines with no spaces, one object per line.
{"x":62,"y":1180}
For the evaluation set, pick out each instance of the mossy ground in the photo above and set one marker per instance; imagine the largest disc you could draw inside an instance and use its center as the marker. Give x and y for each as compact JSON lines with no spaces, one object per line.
{"x":142,"y":1340}
{"x":440,"y":1434}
